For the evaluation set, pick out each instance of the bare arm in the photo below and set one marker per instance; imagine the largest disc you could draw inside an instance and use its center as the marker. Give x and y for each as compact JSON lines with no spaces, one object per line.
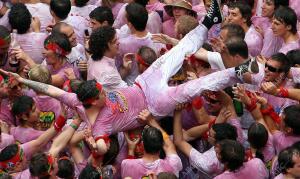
{"x":270,"y":88}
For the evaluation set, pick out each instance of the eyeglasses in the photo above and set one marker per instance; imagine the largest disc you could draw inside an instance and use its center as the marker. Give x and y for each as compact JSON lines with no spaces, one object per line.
{"x":273,"y":69}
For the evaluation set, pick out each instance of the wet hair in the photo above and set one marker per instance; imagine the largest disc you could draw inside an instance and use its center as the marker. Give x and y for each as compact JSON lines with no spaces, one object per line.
{"x":137,"y":15}
{"x":232,"y":154}
{"x":292,"y":118}
{"x":89,"y":172}
{"x":61,"y":40}
{"x":148,"y":54}
{"x":80,"y":3}
{"x":8,"y":152}
{"x":19,"y":18}
{"x":40,"y":73}
{"x":185,"y":24}
{"x":224,"y":131}
{"x":244,"y":9}
{"x":22,"y":105}
{"x":142,"y":2}
{"x":283,"y":60}
{"x":61,"y":8}
{"x":98,"y":43}
{"x":285,"y":159}
{"x":294,"y":57}
{"x":39,"y":166}
{"x":65,"y":169}
{"x":87,"y":89}
{"x":166,"y":175}
{"x":279,"y":3}
{"x":102,"y":14}
{"x":287,"y":16}
{"x":111,"y":154}
{"x":152,"y":139}
{"x":258,"y":138}
{"x":234,"y":30}
{"x":237,"y":46}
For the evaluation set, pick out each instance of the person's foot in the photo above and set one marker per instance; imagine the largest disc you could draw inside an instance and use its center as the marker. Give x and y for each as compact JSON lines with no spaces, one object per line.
{"x":214,"y":14}
{"x":251,"y":66}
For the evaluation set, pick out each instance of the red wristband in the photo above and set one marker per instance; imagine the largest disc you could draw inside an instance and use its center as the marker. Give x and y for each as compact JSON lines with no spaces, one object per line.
{"x":283,"y":92}
{"x":59,"y":123}
{"x":270,"y":112}
{"x":197,"y":102}
{"x":252,"y":105}
{"x":211,"y":123}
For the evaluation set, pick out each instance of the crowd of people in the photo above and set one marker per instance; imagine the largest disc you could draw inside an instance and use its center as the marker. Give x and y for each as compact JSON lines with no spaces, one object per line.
{"x":149,"y":89}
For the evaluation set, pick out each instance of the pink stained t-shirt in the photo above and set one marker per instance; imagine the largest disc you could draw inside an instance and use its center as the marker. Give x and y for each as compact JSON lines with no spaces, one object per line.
{"x":286,"y":47}
{"x":82,"y":11}
{"x":5,"y":113}
{"x":282,"y":140}
{"x":6,"y":140}
{"x":106,"y":73}
{"x":171,"y":163}
{"x":254,"y":41}
{"x":115,"y":8}
{"x":42,"y":11}
{"x":168,"y":28}
{"x":269,"y":149}
{"x":159,"y":8}
{"x":253,"y":169}
{"x":23,"y":135}
{"x":295,"y":5}
{"x":33,"y":43}
{"x":61,"y":71}
{"x":23,"y":175}
{"x":119,"y":114}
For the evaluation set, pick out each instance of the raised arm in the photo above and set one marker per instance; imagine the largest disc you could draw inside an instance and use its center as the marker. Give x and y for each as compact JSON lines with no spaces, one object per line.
{"x":291,"y":93}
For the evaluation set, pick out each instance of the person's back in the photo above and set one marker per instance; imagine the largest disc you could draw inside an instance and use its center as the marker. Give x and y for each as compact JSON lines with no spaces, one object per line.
{"x":253,"y":169}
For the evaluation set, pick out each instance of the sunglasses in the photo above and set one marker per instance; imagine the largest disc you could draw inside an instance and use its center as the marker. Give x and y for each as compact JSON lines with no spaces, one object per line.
{"x":273,"y":69}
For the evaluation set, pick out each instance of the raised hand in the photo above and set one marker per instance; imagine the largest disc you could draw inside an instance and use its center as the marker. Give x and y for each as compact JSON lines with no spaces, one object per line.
{"x":270,"y":88}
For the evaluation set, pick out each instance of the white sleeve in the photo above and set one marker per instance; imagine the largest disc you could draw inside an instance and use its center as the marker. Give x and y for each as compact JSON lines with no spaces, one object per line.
{"x":215,"y":60}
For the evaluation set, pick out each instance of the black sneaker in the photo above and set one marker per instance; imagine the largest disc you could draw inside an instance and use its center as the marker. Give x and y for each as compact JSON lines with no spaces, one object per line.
{"x":251,"y":66}
{"x":214,"y":14}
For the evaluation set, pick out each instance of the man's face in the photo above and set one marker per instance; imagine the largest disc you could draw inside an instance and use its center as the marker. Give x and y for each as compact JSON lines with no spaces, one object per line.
{"x":178,"y":11}
{"x":69,"y":32}
{"x":272,"y":71}
{"x":235,"y":17}
{"x":279,"y":28}
{"x":94,"y":24}
{"x":223,"y":34}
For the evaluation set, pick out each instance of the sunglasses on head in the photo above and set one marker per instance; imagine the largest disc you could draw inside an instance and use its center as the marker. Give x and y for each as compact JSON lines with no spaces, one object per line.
{"x":273,"y":69}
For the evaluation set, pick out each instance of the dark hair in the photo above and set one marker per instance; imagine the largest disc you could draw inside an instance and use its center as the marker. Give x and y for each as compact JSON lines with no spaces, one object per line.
{"x":234,"y":30}
{"x":65,"y":169}
{"x":152,"y":139}
{"x":232,"y":154}
{"x":99,"y":40}
{"x":142,"y":2}
{"x":167,"y":124}
{"x":22,"y":105}
{"x":111,"y":154}
{"x":258,"y":138}
{"x":38,"y":165}
{"x":244,"y":9}
{"x":166,"y":175}
{"x":237,"y":46}
{"x":292,"y":118}
{"x":294,"y":57}
{"x":279,"y":3}
{"x":285,"y":159}
{"x":61,"y":8}
{"x":224,"y":131}
{"x":19,"y":18}
{"x":4,"y":32}
{"x":61,"y":40}
{"x":101,"y":14}
{"x":80,"y":3}
{"x":89,"y":172}
{"x":137,"y":15}
{"x":283,"y":60}
{"x":287,"y":16}
{"x":87,"y":89}
{"x":148,"y":54}
{"x":8,"y":152}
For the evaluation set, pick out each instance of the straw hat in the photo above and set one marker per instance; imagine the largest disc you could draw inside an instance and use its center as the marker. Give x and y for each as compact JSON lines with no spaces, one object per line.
{"x":181,"y":3}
